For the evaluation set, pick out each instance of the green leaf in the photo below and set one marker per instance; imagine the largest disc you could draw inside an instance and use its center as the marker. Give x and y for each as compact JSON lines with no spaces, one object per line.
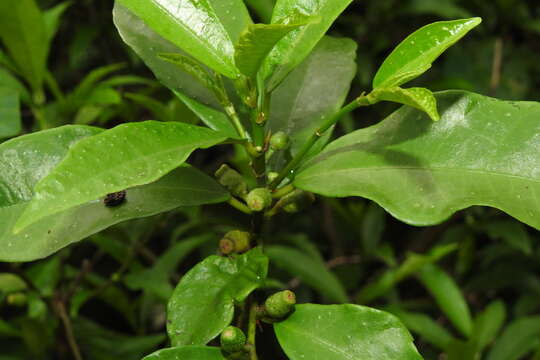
{"x":52,"y":17}
{"x":256,"y":43}
{"x":488,"y":324}
{"x":156,"y":280}
{"x":25,"y":160}
{"x":448,"y":296}
{"x":184,"y":186}
{"x":296,"y":46}
{"x":234,"y":16}
{"x":310,"y":270}
{"x":412,"y":264}
{"x":202,"y":304}
{"x":419,"y":98}
{"x":148,"y":44}
{"x":214,"y":119}
{"x":187,"y":353}
{"x":191,"y":25}
{"x":10,"y":115}
{"x":22,"y":29}
{"x":128,"y":155}
{"x":429,"y":330}
{"x":325,"y":75}
{"x":423,"y":171}
{"x":414,"y":55}
{"x":344,"y":332}
{"x":519,"y":338}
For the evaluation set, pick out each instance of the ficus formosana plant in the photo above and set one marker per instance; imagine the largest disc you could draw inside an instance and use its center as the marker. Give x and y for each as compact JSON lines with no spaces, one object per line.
{"x":274,"y":92}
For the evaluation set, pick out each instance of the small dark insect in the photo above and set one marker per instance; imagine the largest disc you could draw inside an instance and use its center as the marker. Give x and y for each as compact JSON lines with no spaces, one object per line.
{"x":115,"y":199}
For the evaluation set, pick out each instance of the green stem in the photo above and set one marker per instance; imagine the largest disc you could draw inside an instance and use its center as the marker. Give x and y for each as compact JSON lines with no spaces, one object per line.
{"x":252,"y":331}
{"x":291,"y":166}
{"x":231,"y":112}
{"x":238,"y":205}
{"x":221,"y":94}
{"x":281,"y":192}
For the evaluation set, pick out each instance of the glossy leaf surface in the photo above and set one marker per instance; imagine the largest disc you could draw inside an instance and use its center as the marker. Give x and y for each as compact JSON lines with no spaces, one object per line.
{"x":184,"y":186}
{"x":448,"y":296}
{"x":414,"y":55}
{"x":255,"y":44}
{"x":147,"y":44}
{"x":311,"y":271}
{"x":191,"y":25}
{"x":344,"y":332}
{"x":202,"y":304}
{"x":27,"y":159}
{"x":483,"y":151}
{"x":294,"y":47}
{"x":325,"y":75}
{"x":234,"y":16}
{"x":419,"y":98}
{"x":187,"y":353}
{"x":126,"y":156}
{"x":22,"y":30}
{"x":10,"y":115}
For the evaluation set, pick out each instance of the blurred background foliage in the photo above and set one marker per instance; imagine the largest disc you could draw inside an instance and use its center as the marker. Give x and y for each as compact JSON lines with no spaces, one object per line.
{"x":468,"y":288}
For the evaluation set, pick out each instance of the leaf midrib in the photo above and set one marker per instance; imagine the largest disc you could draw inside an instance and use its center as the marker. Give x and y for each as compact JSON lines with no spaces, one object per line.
{"x":127,"y":164}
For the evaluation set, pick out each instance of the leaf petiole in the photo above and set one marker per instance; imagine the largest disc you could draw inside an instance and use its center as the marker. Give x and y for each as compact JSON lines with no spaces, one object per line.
{"x":362,"y":100}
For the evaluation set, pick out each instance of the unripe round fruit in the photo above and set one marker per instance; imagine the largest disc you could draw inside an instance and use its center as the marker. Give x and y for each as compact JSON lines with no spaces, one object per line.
{"x":259,"y":199}
{"x":232,"y":180}
{"x":279,"y":141}
{"x":232,"y":339}
{"x":235,"y":241}
{"x":280,"y":304}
